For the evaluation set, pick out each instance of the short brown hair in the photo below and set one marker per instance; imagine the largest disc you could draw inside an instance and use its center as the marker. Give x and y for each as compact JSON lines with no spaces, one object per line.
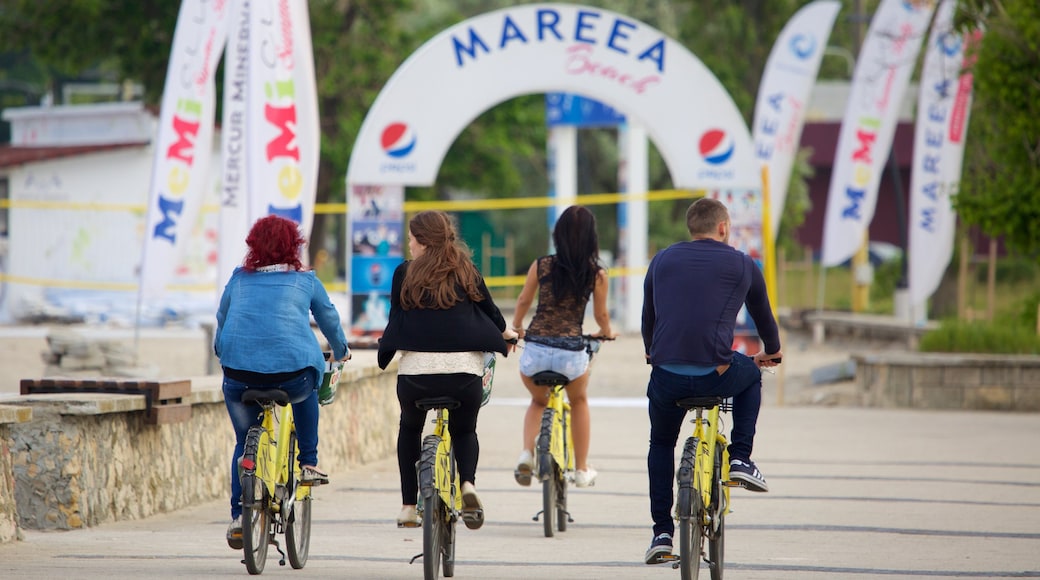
{"x":704,"y":215}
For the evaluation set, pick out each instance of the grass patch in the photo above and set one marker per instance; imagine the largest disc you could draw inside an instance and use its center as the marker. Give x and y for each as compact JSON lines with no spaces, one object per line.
{"x":981,"y":337}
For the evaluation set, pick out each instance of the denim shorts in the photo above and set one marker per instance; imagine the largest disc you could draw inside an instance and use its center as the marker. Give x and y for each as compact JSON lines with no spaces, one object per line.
{"x":538,"y":357}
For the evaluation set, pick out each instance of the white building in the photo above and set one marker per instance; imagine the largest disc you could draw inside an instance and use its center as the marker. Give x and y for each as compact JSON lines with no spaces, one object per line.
{"x":73,"y":191}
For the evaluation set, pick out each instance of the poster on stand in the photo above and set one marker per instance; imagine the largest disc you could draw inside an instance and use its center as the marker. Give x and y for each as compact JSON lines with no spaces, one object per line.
{"x":376,"y":238}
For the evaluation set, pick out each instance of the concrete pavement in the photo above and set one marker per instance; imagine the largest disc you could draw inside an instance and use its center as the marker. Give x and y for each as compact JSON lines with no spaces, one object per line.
{"x":855,"y":493}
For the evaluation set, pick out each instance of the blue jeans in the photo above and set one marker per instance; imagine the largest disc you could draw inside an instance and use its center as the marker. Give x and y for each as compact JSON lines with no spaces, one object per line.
{"x":303,"y":394}
{"x":742,"y":381}
{"x":539,"y":357}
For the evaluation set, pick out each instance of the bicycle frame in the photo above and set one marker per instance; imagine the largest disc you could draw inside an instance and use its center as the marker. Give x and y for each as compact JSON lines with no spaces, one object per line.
{"x":707,"y":434}
{"x":561,"y":453}
{"x":277,"y":421}
{"x":446,"y":485}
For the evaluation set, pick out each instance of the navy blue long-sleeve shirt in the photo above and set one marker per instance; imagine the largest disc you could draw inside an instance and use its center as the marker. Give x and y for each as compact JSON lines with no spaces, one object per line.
{"x":691,"y":296}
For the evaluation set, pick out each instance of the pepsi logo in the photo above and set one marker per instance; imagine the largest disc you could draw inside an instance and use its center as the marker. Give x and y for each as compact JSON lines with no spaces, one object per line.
{"x":802,"y":45}
{"x":398,"y":140}
{"x":949,"y":43}
{"x":716,"y":146}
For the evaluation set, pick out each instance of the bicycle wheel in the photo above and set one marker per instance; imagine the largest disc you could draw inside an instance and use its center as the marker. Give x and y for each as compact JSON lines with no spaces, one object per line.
{"x":433,"y":535}
{"x":717,"y":531}
{"x":448,"y":535}
{"x":547,"y":472}
{"x":256,"y":517}
{"x":561,"y":492}
{"x":448,"y":547}
{"x":298,"y":521}
{"x":690,"y":506}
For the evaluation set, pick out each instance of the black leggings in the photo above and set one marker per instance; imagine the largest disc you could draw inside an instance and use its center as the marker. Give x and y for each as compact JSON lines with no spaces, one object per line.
{"x":462,"y":424}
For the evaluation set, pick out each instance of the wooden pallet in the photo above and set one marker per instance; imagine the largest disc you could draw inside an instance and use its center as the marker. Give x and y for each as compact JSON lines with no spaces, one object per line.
{"x":165,"y":401}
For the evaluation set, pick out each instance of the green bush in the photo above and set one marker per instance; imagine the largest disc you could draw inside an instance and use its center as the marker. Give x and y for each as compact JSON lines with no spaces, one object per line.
{"x":981,"y":337}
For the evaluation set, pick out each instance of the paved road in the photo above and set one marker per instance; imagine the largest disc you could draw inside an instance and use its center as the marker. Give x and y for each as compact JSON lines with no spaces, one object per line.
{"x":855,"y":493}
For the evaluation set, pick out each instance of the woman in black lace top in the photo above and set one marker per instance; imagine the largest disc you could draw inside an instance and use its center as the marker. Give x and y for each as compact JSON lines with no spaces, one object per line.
{"x":563,"y":283}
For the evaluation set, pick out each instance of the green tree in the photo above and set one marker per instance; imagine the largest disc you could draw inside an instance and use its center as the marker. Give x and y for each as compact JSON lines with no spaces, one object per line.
{"x":1000,"y":186}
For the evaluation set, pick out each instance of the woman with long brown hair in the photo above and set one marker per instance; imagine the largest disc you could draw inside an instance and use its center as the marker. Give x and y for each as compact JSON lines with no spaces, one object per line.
{"x":442,"y":321}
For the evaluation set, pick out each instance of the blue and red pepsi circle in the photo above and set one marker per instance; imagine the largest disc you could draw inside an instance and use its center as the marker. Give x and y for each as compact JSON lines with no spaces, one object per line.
{"x":398,"y":140}
{"x":716,"y":146}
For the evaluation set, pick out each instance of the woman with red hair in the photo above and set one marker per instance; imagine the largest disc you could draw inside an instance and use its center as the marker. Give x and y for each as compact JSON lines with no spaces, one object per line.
{"x":264,"y":340}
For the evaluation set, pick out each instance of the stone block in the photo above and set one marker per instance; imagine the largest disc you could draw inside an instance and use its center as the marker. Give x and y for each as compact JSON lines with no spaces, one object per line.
{"x":963,"y":376}
{"x":928,"y":397}
{"x":989,"y":398}
{"x":1026,"y":398}
{"x":1030,"y":375}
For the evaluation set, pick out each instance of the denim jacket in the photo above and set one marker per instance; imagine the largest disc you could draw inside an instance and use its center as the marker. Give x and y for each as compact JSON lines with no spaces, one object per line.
{"x":263,"y":323}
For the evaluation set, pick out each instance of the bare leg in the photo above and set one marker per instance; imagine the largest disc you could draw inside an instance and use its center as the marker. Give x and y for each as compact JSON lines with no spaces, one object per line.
{"x":581,"y":422}
{"x":533,"y":417}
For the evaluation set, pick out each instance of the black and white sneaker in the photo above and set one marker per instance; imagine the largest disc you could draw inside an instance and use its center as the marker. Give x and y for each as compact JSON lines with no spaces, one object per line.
{"x":660,"y":550}
{"x":746,"y":473}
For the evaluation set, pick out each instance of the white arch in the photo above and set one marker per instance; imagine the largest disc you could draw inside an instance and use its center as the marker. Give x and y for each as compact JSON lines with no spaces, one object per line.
{"x":538,"y":48}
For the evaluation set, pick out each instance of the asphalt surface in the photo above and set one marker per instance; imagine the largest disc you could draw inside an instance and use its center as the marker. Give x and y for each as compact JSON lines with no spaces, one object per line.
{"x":854,"y":493}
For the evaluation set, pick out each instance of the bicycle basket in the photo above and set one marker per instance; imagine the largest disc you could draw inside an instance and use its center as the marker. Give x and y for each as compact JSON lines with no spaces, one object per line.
{"x":330,"y":383}
{"x":489,"y":376}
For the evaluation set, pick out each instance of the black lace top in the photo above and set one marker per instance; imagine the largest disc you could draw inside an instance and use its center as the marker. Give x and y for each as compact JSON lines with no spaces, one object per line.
{"x":552,"y":318}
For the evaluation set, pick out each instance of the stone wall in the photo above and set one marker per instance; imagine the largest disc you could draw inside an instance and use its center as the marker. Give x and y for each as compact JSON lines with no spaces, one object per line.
{"x":949,"y":381}
{"x":9,"y":415}
{"x":85,"y":460}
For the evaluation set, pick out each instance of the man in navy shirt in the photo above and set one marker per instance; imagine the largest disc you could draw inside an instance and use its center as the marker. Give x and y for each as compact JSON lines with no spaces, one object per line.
{"x":691,"y":296}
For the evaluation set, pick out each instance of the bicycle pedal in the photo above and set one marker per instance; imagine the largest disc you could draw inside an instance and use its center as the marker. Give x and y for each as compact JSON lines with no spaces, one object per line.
{"x":732,"y":483}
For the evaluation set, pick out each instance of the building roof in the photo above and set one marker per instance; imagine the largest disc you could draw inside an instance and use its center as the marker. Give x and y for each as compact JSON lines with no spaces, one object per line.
{"x":13,"y":156}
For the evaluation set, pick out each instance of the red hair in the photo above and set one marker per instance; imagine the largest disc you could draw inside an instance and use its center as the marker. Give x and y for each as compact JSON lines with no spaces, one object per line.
{"x":273,"y":240}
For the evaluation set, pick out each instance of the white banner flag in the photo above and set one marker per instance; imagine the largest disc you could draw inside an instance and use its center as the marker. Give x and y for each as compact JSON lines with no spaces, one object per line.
{"x":234,"y":198}
{"x":283,"y":143}
{"x":942,"y":120}
{"x":879,"y":83}
{"x":783,"y":93}
{"x":183,"y":144}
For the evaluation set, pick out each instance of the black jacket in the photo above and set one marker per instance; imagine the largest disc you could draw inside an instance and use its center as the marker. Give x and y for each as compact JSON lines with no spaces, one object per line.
{"x":465,"y":327}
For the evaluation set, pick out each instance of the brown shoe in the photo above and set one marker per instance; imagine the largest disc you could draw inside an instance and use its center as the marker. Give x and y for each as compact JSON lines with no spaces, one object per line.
{"x":472,"y":510}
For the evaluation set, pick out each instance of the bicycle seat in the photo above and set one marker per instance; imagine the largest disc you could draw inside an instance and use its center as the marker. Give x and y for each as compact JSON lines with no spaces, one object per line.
{"x":429,"y":403}
{"x":700,"y":402}
{"x":260,"y":395}
{"x":549,"y":379}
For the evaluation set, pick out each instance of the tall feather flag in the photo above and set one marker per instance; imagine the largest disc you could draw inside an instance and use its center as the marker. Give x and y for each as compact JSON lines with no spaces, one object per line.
{"x":282,"y":118}
{"x":879,"y":84}
{"x":942,"y":120}
{"x":780,"y":109}
{"x":234,"y":194}
{"x":182,"y":146}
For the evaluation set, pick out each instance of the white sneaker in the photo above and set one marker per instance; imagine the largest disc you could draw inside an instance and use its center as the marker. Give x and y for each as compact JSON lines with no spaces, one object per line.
{"x":524,"y":468}
{"x":585,"y":478}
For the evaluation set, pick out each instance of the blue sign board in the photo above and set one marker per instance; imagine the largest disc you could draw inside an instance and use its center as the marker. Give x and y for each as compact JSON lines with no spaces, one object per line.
{"x":569,"y":109}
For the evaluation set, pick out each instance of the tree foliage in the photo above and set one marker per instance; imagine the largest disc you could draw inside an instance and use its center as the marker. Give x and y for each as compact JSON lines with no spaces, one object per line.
{"x":1001,"y":180}
{"x":358,"y":44}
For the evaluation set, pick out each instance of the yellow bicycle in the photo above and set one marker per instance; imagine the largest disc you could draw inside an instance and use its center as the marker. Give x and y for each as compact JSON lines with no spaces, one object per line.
{"x":703,"y":498}
{"x":440,"y":490}
{"x":555,"y":448}
{"x":273,"y":499}
{"x":554,"y":453}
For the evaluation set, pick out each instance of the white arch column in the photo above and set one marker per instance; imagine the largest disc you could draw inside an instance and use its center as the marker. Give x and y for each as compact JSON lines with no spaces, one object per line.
{"x":633,"y":179}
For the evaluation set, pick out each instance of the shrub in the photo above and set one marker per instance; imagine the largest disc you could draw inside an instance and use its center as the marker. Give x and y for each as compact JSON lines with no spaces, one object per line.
{"x":981,"y":337}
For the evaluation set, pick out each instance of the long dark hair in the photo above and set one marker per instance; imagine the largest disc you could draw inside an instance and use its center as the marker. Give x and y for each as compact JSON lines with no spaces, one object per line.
{"x":433,"y":279}
{"x":574,"y":270}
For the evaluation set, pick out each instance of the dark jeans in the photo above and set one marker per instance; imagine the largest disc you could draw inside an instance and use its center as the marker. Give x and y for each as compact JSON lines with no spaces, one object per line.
{"x":742,"y":381}
{"x":462,"y":424}
{"x":303,"y":394}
